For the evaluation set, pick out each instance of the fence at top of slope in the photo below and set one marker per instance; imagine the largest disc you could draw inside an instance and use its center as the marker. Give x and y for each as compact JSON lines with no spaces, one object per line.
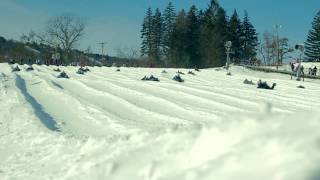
{"x":270,"y":70}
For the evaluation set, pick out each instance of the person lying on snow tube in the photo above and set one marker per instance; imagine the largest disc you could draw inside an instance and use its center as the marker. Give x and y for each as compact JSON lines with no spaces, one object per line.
{"x":29,"y":68}
{"x":57,"y":70}
{"x":81,"y":71}
{"x":16,"y":68}
{"x":151,"y":78}
{"x":178,"y":78}
{"x":179,"y":72}
{"x":164,"y":72}
{"x":192,"y":73}
{"x":63,"y":75}
{"x":264,"y":85}
{"x":246,"y":81}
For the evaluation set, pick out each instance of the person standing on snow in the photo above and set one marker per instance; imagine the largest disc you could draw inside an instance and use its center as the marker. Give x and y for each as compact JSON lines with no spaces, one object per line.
{"x":315,"y":69}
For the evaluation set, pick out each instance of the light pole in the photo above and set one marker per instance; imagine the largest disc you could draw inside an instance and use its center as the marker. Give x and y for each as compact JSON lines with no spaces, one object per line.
{"x":102,"y":47}
{"x":277,"y":27}
{"x":299,"y":47}
{"x":228,"y":46}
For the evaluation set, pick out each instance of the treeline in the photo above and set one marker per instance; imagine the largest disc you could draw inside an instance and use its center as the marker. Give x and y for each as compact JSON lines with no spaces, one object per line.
{"x":18,"y":50}
{"x":196,"y":38}
{"x":28,"y":51}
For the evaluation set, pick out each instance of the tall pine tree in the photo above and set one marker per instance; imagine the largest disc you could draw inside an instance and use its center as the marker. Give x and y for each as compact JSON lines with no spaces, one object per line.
{"x":221,"y":29}
{"x":177,"y":47}
{"x":169,"y":18}
{"x":236,"y":36}
{"x":193,"y":38}
{"x":146,"y":34}
{"x":156,"y":37}
{"x":250,"y":39}
{"x":214,"y":27}
{"x":208,"y":35}
{"x":313,"y":41}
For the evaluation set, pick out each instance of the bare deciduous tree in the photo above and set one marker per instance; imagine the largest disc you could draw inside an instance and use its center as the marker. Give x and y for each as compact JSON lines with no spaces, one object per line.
{"x":127,"y":52}
{"x":64,"y":31}
{"x":29,"y":37}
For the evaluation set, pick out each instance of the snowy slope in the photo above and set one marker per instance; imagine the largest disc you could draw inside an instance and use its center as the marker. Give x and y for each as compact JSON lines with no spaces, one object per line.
{"x":113,"y":126}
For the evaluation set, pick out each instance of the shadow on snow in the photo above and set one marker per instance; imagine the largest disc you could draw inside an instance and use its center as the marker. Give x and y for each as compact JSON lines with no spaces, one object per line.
{"x":44,"y":117}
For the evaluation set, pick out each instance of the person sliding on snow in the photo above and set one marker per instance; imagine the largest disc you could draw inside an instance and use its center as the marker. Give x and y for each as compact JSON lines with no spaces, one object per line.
{"x":264,"y":85}
{"x":178,"y":78}
{"x":246,"y":81}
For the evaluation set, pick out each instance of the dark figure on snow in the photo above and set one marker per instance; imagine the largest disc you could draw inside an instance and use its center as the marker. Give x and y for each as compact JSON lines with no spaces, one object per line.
{"x":292,"y":66}
{"x":178,"y":78}
{"x":302,"y":70}
{"x":192,"y":73}
{"x":81,"y":71}
{"x":179,"y":72}
{"x":164,"y":72}
{"x":118,"y":70}
{"x":196,"y":69}
{"x":16,"y":68}
{"x":264,"y":85}
{"x":246,"y":81}
{"x":310,"y":71}
{"x":86,"y":69}
{"x":151,"y":78}
{"x":57,"y":70}
{"x":11,"y":61}
{"x":144,"y":78}
{"x":315,"y":69}
{"x":29,"y":68}
{"x":63,"y":75}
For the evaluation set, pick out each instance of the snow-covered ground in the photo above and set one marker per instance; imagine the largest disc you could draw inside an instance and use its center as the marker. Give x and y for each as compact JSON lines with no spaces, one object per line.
{"x":111,"y":125}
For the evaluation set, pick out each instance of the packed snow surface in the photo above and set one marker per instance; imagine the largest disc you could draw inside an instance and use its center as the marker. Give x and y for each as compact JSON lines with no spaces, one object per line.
{"x":109,"y":124}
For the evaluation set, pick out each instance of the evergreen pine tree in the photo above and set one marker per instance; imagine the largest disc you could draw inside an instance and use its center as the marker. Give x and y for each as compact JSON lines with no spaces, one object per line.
{"x":156,"y":37}
{"x":221,"y":31}
{"x":177,"y":47}
{"x":214,"y":33}
{"x":207,"y":35}
{"x":236,"y":36}
{"x":169,"y":18}
{"x":214,"y":7}
{"x":250,"y":39}
{"x":313,"y":41}
{"x":193,"y":38}
{"x":146,"y":34}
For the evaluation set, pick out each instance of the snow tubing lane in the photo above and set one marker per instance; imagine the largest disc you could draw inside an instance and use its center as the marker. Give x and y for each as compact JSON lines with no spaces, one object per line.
{"x":44,"y":117}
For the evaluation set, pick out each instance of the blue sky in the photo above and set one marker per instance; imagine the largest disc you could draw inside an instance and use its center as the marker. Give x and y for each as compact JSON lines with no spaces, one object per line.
{"x":118,"y":22}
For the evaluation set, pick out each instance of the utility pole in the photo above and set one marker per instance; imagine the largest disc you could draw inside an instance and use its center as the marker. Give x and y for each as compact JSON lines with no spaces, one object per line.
{"x":299,"y":47}
{"x":102,"y":47}
{"x":277,"y":27}
{"x":228,"y":46}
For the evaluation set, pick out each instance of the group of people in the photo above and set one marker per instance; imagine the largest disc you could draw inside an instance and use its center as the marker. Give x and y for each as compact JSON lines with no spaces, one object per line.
{"x":295,"y":67}
{"x":313,"y":71}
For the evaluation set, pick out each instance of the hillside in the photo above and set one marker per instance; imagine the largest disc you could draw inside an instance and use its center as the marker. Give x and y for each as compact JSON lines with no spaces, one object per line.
{"x":111,"y":125}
